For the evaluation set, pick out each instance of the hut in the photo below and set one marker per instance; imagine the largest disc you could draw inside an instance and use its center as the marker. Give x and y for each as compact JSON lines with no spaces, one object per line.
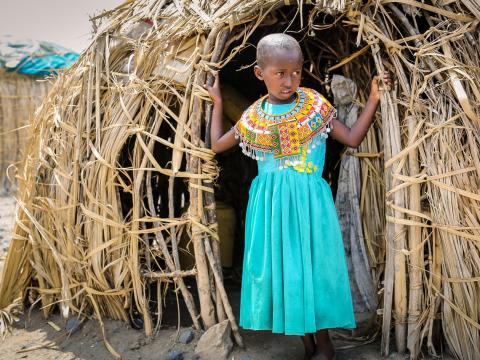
{"x":20,"y":95}
{"x":119,"y":170}
{"x":24,"y":65}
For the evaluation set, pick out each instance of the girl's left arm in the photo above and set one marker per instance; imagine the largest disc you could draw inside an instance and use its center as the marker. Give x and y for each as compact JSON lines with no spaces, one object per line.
{"x":353,"y":136}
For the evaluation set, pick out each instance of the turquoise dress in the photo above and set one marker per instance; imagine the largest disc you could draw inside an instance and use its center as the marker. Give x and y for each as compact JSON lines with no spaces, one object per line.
{"x":295,"y":277}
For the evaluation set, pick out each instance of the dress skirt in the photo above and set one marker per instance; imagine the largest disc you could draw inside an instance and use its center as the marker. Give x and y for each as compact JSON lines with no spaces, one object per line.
{"x":295,"y":277}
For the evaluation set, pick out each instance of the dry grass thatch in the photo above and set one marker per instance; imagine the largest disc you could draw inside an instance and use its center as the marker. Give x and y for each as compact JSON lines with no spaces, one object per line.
{"x":20,"y":95}
{"x":89,"y":236}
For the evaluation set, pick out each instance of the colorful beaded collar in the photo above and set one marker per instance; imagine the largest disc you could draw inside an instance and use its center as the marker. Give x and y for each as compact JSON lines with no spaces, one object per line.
{"x":285,"y":134}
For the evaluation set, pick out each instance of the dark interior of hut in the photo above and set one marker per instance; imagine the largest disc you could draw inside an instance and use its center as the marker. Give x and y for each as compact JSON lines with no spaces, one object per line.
{"x":325,"y":41}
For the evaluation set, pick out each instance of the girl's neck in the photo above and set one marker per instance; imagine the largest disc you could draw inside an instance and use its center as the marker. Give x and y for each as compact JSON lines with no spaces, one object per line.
{"x":273,"y":100}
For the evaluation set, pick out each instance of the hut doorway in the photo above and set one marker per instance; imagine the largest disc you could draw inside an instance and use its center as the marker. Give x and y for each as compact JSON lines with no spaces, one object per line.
{"x":324,"y":46}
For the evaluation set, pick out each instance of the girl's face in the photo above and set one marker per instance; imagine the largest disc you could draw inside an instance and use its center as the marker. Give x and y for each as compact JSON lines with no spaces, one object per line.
{"x":281,"y":73}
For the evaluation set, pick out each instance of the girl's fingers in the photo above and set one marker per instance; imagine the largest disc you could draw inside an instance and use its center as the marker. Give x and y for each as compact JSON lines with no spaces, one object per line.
{"x":385,"y":77}
{"x":215,"y":79}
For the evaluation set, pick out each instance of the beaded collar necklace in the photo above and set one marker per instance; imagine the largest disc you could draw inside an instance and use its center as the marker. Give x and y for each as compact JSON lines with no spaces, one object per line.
{"x":285,"y":134}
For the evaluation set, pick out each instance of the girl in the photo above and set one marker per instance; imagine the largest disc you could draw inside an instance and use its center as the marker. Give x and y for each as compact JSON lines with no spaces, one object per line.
{"x":295,"y":278}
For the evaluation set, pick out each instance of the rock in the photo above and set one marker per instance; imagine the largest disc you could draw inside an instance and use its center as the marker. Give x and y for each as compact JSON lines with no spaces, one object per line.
{"x":196,"y":357}
{"x":175,"y":354}
{"x":186,"y":336}
{"x":244,"y":357}
{"x":215,"y":343}
{"x":136,"y":320}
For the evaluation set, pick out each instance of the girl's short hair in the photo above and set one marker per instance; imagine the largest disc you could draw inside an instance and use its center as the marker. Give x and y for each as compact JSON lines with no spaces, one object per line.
{"x":276,"y":41}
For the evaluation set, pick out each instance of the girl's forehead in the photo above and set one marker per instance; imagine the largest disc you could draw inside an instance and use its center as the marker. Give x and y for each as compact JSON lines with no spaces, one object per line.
{"x":284,"y":58}
{"x":293,"y":61}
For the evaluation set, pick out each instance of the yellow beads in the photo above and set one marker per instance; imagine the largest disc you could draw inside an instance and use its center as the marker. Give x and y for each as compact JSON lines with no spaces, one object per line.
{"x":304,"y":166}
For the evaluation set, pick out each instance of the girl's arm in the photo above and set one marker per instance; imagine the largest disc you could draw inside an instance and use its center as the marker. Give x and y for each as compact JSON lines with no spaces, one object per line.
{"x":353,"y":137}
{"x":220,"y":142}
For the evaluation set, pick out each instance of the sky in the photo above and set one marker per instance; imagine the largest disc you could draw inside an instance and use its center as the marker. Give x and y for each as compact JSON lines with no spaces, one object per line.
{"x":64,"y":22}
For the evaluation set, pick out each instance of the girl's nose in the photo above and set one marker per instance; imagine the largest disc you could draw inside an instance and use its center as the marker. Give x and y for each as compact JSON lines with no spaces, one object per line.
{"x":287,"y":81}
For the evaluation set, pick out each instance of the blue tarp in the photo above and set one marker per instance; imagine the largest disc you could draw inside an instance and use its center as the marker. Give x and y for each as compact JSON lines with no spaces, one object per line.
{"x":30,"y":57}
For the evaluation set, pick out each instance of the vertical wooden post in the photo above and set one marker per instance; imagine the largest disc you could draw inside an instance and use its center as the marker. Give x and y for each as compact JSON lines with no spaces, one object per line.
{"x":210,"y":206}
{"x":395,"y":272}
{"x":416,"y":253}
{"x":196,"y":199}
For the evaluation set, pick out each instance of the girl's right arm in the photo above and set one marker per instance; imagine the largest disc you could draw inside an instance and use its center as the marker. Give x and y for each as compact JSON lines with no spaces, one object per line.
{"x":219,"y":141}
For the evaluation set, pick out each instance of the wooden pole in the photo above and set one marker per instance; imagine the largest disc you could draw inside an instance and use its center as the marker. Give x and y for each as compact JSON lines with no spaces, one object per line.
{"x":223,"y":294}
{"x":395,"y":272}
{"x":196,"y":199}
{"x":210,"y":206}
{"x":416,"y":253}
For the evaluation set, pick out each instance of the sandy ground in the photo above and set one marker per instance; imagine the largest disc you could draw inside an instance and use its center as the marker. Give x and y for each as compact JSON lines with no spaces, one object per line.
{"x":34,"y":338}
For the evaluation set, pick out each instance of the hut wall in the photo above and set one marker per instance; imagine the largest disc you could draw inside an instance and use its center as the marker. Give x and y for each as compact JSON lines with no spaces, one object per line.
{"x":20,"y":95}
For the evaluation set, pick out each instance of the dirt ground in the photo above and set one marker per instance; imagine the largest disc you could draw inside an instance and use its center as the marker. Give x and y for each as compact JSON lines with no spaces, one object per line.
{"x":87,"y":343}
{"x":36,"y":339}
{"x":33,"y":337}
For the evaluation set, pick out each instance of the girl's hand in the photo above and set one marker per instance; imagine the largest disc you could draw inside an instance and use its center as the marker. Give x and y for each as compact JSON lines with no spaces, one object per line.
{"x":214,"y":90}
{"x":385,"y":78}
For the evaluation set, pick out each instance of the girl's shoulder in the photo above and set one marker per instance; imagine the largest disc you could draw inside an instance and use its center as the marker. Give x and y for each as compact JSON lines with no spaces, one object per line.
{"x":315,"y":102}
{"x":315,"y":96}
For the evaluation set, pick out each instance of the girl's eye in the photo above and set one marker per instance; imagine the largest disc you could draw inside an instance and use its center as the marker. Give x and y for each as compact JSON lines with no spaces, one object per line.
{"x":280,"y":73}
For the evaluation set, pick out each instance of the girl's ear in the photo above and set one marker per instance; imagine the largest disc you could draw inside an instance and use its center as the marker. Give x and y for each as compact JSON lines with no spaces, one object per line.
{"x":258,"y":72}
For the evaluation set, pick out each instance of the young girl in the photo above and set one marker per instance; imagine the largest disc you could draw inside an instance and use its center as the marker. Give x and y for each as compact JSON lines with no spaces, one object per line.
{"x":295,"y":278}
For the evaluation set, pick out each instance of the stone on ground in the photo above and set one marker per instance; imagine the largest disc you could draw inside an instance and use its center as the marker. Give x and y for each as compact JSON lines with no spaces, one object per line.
{"x":175,"y":354}
{"x":186,"y":336}
{"x":215,"y":343}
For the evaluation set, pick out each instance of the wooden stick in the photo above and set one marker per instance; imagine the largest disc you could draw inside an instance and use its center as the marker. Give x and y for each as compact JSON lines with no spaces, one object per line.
{"x":395,"y":262}
{"x":210,"y":206}
{"x":173,"y":274}
{"x":416,"y":253}
{"x":400,"y":285}
{"x":196,"y":200}
{"x":223,"y":294}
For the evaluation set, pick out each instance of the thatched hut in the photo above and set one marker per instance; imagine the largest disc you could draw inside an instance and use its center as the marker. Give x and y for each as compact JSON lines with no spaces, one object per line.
{"x":119,"y":169}
{"x":24,"y":66}
{"x":20,"y":95}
